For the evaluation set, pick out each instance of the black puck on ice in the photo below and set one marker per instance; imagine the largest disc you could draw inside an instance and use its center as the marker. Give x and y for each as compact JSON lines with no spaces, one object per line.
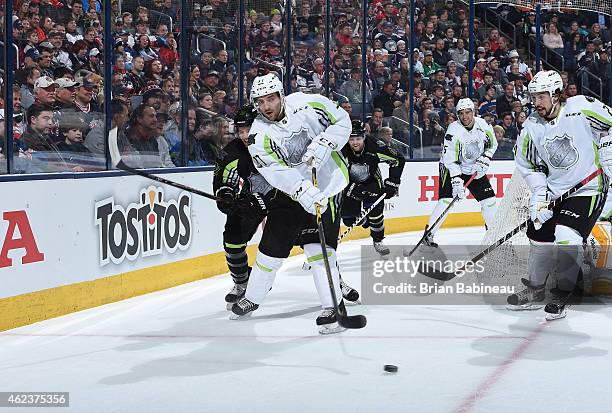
{"x":390,"y":368}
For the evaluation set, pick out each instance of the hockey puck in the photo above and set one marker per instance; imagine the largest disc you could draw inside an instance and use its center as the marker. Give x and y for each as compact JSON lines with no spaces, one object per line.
{"x":390,"y":368}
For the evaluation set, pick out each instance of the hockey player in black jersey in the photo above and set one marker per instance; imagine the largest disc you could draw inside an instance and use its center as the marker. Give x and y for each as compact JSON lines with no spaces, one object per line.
{"x":242,"y":194}
{"x":366,"y":185}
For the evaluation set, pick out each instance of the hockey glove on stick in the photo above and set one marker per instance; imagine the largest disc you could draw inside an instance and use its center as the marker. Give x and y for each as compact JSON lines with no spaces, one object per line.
{"x":481,"y":166}
{"x":391,"y":188}
{"x":605,"y":155}
{"x":307,"y":195}
{"x":319,"y":151}
{"x":458,"y":189}
{"x":226,"y":199}
{"x":360,"y":191}
{"x":538,"y":208}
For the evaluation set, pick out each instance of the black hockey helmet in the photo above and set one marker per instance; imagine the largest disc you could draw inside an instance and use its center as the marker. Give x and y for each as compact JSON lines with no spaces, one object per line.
{"x":245,"y":116}
{"x":357,"y":128}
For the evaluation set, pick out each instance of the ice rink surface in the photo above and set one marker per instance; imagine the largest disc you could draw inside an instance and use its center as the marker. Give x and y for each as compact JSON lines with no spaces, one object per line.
{"x":176,"y":351}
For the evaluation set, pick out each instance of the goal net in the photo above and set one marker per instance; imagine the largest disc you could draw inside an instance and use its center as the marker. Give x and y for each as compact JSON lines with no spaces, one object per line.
{"x":509,"y":261}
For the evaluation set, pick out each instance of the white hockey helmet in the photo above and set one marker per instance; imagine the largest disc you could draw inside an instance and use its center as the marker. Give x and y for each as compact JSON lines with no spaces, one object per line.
{"x":465,"y":103}
{"x":546,"y":81}
{"x":266,"y":85}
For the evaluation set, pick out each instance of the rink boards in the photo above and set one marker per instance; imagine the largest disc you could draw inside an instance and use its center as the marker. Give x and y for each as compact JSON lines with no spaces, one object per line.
{"x":72,"y":244}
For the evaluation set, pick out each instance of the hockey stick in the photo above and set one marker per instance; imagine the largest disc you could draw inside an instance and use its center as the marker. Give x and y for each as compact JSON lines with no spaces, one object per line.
{"x":430,"y":229}
{"x":446,"y":276}
{"x":344,"y":320}
{"x":361,"y":217}
{"x":118,"y":163}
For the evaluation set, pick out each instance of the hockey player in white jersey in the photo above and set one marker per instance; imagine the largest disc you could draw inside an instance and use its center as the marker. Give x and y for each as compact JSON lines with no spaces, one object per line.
{"x":469,"y":145}
{"x":288,"y":133}
{"x":558,"y":147}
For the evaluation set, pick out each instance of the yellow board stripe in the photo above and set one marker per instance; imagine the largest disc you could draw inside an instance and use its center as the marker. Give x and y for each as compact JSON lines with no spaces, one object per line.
{"x":54,"y":302}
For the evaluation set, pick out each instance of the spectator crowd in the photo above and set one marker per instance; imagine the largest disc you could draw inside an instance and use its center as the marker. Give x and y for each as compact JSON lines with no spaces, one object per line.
{"x":58,"y":93}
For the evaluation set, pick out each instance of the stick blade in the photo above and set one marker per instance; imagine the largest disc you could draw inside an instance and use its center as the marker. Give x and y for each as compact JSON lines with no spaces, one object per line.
{"x":353,"y":321}
{"x":113,"y":148}
{"x":435,"y":273}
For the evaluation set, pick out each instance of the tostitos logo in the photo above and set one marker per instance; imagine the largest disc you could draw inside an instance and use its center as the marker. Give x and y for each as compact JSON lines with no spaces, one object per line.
{"x":145,"y":228}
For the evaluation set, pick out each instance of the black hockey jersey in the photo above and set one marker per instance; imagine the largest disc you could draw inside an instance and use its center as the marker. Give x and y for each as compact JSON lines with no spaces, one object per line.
{"x":363,"y":166}
{"x":235,"y":169}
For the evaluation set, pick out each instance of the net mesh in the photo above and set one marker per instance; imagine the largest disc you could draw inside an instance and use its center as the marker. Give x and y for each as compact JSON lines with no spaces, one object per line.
{"x":604,"y":6}
{"x":510,"y":260}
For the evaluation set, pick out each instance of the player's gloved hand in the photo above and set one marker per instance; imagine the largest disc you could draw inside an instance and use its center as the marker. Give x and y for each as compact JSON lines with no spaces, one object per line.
{"x":458,"y":189}
{"x":226,"y":199}
{"x":307,"y":195}
{"x":361,"y":191}
{"x":319,"y":151}
{"x":538,"y":208}
{"x":391,"y":188}
{"x":481,"y":166}
{"x":605,"y":155}
{"x":252,"y":206}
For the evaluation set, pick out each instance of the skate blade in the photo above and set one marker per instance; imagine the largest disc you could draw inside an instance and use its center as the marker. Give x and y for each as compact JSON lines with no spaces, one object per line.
{"x":384,"y":253}
{"x":240,"y":317}
{"x":352,"y":303}
{"x":524,"y":307}
{"x":556,"y":316}
{"x":332,"y":328}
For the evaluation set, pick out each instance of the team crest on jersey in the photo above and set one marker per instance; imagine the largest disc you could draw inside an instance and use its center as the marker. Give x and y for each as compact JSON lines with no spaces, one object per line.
{"x":296,"y":144}
{"x":259,"y":184}
{"x":359,"y":172}
{"x":471,"y":151}
{"x":562,"y":154}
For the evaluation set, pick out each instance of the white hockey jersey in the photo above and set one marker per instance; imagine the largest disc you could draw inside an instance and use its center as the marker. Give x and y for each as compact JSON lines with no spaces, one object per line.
{"x":560,"y":153}
{"x":462,"y":147}
{"x":278,"y":147}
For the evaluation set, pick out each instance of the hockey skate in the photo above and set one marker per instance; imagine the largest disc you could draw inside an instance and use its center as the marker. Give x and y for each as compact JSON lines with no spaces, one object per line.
{"x":235,"y":294}
{"x":381,"y":248}
{"x":557,"y":308}
{"x":528,"y":298}
{"x":349,"y":293}
{"x":327,"y":321}
{"x":243,"y":308}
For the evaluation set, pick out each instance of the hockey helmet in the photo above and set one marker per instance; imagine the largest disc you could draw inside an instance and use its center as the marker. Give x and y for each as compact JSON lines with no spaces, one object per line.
{"x":357,"y":128}
{"x":465,"y":104}
{"x":245,"y":116}
{"x":546,"y":81}
{"x":266,"y":85}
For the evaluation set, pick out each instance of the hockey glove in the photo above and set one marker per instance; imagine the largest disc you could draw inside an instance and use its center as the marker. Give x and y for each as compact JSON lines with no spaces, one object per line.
{"x":605,"y":155}
{"x":307,"y":195}
{"x":458,"y":189}
{"x":391,"y":188}
{"x":226,"y":199}
{"x":538,"y":208}
{"x":319,"y":151}
{"x":361,"y":191}
{"x":481,"y":166}
{"x":252,"y":206}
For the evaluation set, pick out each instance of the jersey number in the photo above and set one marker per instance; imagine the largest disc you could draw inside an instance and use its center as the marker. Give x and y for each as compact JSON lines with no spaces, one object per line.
{"x":258,"y":162}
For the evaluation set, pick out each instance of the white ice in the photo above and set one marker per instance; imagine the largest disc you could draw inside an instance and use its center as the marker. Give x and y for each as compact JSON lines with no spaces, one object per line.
{"x":176,"y":351}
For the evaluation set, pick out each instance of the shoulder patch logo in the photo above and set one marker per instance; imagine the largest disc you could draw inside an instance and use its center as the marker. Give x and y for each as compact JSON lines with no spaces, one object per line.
{"x":251,"y":138}
{"x":562,"y":154}
{"x":448,"y":137}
